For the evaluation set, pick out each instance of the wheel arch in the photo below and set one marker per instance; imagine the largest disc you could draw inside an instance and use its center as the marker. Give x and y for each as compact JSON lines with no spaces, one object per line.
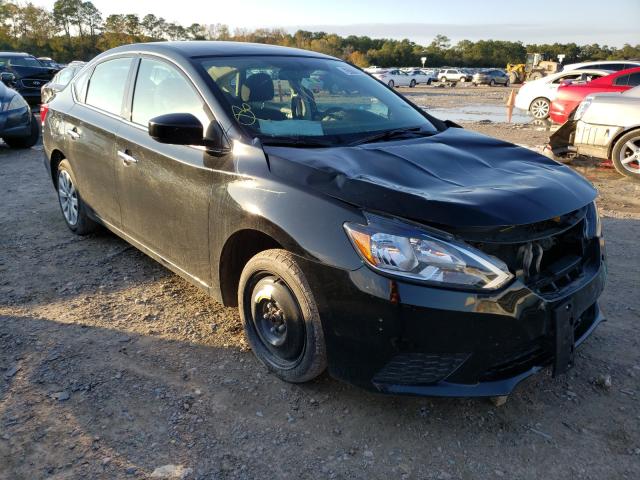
{"x":54,"y":160}
{"x":621,"y":134}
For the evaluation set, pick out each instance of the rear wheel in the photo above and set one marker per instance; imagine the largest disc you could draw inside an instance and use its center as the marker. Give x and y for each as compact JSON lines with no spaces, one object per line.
{"x":443,"y":79}
{"x":391,"y":84}
{"x":626,"y":155}
{"x":73,"y":208}
{"x":28,"y":141}
{"x":539,"y":108}
{"x":492,"y":83}
{"x":280,"y":316}
{"x":513,"y":77}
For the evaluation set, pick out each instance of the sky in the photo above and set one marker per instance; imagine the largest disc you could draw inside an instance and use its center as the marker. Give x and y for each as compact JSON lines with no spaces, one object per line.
{"x":534,"y":21}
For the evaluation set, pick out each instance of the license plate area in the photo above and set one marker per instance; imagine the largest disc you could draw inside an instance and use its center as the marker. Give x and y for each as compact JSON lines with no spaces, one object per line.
{"x":564,"y":321}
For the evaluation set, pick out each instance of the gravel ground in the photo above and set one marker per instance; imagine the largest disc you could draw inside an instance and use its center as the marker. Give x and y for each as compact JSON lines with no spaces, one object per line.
{"x":113,"y":367}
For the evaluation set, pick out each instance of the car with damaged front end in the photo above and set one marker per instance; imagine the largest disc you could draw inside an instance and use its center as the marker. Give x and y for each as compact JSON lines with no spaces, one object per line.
{"x":354,"y":231}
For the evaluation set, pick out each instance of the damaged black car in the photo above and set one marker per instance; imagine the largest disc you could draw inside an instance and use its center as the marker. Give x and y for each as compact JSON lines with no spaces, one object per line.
{"x":355,"y":232}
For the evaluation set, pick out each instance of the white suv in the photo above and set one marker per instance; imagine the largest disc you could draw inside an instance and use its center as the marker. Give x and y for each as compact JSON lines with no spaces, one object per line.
{"x":453,"y":75}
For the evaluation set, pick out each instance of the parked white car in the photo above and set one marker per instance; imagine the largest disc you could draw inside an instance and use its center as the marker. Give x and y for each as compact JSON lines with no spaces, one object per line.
{"x":421,"y":76}
{"x":395,"y":78}
{"x":613,"y":65}
{"x":454,"y":75}
{"x":536,"y":96}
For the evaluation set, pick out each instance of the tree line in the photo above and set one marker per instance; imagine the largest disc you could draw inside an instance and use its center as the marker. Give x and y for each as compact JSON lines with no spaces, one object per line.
{"x":77,"y":30}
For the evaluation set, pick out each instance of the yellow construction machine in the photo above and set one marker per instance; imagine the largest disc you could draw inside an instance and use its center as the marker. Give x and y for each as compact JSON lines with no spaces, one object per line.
{"x":535,"y":68}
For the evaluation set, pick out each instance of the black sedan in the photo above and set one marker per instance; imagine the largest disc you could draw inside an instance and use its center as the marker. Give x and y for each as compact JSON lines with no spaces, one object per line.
{"x":29,"y":75}
{"x":353,"y":230}
{"x":18,"y":127}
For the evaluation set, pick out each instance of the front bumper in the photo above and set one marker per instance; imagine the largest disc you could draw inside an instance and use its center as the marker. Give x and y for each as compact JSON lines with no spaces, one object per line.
{"x":398,"y":337}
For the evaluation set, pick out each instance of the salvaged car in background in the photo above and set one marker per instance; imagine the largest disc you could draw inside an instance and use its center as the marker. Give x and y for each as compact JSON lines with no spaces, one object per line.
{"x":60,"y":81}
{"x":491,"y":78}
{"x":395,"y":78}
{"x":606,"y":126}
{"x":536,"y":96}
{"x":446,"y":75}
{"x":569,"y":96}
{"x":18,"y":128}
{"x":29,"y":75}
{"x":355,"y":231}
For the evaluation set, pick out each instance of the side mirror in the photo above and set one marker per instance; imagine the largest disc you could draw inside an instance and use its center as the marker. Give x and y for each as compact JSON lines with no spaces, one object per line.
{"x":176,"y":129}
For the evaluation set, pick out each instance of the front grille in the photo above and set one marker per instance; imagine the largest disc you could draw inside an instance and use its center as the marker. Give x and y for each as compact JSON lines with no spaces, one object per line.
{"x":32,"y":82}
{"x":419,"y":368}
{"x":548,"y":264}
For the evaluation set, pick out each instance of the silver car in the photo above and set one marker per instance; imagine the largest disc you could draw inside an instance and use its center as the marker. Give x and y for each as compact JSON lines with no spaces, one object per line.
{"x":491,"y":78}
{"x":605,"y":125}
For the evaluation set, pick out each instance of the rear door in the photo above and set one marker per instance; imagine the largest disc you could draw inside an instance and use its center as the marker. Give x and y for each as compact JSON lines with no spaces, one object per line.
{"x":164,"y":190}
{"x":91,"y":129}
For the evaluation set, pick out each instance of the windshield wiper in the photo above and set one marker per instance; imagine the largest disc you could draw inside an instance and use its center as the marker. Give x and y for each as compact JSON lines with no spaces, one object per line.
{"x":390,"y":134}
{"x":295,"y":141}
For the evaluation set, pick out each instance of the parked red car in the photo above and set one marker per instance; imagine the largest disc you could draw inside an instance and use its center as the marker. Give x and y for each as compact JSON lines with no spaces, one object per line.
{"x":570,"y":96}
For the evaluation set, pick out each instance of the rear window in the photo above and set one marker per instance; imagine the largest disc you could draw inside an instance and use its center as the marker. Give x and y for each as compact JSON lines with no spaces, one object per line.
{"x":107,"y":85}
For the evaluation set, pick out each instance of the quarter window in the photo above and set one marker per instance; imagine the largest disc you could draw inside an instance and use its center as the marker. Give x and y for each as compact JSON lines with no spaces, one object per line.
{"x":161,"y":89}
{"x":621,"y":81}
{"x":107,"y":85}
{"x":634,"y":79}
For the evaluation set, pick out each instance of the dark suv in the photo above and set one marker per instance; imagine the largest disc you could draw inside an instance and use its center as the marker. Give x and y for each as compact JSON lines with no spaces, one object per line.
{"x":353,"y":230}
{"x":29,"y":74}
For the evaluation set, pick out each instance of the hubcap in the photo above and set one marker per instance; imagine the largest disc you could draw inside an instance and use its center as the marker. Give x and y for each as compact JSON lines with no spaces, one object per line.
{"x":630,"y":156}
{"x":540,"y":109}
{"x":277,"y":319}
{"x":68,"y":197}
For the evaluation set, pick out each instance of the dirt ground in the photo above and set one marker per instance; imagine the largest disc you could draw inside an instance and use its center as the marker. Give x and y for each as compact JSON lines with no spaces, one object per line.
{"x":111,"y":367}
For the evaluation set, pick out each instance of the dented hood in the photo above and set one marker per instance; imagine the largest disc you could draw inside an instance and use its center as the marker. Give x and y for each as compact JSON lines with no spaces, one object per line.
{"x":456,"y":178}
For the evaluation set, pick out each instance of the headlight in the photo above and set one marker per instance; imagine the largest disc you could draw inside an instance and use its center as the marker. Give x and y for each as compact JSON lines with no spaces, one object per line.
{"x":17,"y":102}
{"x":593,"y":226}
{"x":399,"y":248}
{"x":582,"y":108}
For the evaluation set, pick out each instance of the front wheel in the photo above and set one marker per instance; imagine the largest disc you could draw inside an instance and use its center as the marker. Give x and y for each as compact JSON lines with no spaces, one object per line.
{"x":626,"y":155}
{"x":412,"y":84}
{"x":492,"y":83}
{"x":391,"y":84}
{"x":539,"y":108}
{"x":280,"y":316}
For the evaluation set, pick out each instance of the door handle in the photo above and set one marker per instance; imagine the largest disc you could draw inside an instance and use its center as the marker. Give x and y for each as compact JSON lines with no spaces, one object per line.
{"x":126,"y":158}
{"x":74,"y":134}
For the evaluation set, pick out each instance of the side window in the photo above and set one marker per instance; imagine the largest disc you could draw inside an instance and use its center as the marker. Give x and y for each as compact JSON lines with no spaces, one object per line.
{"x":107,"y":85}
{"x":571,"y":76}
{"x":161,"y":89}
{"x":621,"y":81}
{"x":634,"y":79}
{"x":64,"y":76}
{"x":80,"y":86}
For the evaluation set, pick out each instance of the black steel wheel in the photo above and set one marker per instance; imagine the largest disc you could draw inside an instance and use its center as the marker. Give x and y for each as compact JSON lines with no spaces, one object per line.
{"x":280,"y":316}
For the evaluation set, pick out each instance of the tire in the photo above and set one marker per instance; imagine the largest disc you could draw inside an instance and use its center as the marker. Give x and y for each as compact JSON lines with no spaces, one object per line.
{"x":506,"y":84}
{"x":428,"y":82}
{"x":492,"y":83}
{"x":391,"y":84}
{"x":535,"y":76}
{"x":513,"y":77}
{"x":626,"y":155}
{"x":25,"y":142}
{"x":539,"y":108}
{"x":462,"y":80}
{"x":280,"y":317}
{"x":412,"y":83}
{"x":443,"y":79}
{"x":74,"y":210}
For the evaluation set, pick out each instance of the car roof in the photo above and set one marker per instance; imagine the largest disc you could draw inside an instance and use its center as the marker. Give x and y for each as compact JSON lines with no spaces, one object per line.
{"x":15,"y":54}
{"x":573,"y":66}
{"x":206,"y":48}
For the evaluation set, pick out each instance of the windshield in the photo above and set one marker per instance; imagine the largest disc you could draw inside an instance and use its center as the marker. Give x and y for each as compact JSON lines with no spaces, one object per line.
{"x":24,"y":62}
{"x":317,"y":99}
